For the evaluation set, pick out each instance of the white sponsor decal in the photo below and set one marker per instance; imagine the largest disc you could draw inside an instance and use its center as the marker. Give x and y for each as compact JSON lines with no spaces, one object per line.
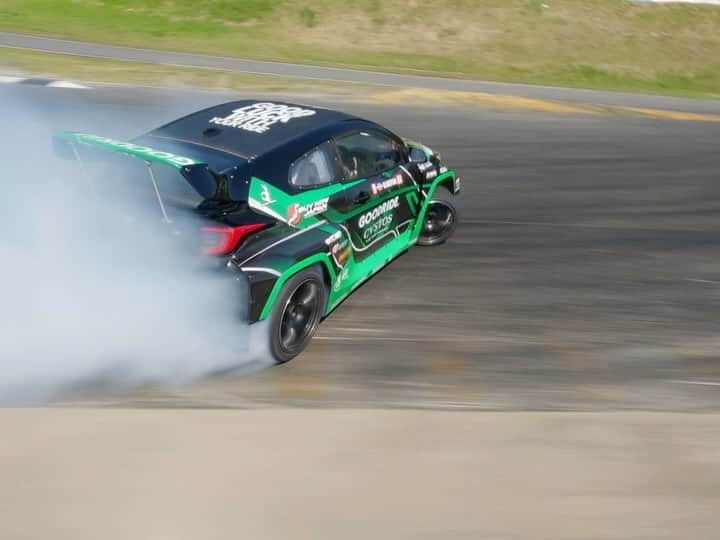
{"x":429,"y":169}
{"x":339,"y":246}
{"x":264,"y":208}
{"x":334,"y":237}
{"x":342,"y":277}
{"x":373,"y":214}
{"x":265,"y":195}
{"x":376,"y":227}
{"x":379,"y":187}
{"x":314,"y":208}
{"x":259,"y":117}
{"x":424,"y":167}
{"x":296,"y":212}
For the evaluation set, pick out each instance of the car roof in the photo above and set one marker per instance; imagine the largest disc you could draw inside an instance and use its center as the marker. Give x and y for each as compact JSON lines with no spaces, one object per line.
{"x":249,"y":128}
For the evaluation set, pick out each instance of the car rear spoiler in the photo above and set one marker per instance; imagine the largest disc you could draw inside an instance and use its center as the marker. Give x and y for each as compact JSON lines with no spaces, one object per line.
{"x":145,"y":153}
{"x":196,"y":172}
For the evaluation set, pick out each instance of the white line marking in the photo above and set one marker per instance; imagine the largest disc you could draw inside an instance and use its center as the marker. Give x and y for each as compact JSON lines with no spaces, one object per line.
{"x":698,"y":383}
{"x":437,"y":339}
{"x":361,"y":330}
{"x":7,"y":79}
{"x":341,"y":338}
{"x":68,"y":84}
{"x":695,"y":280}
{"x":298,"y":233}
{"x":260,"y":269}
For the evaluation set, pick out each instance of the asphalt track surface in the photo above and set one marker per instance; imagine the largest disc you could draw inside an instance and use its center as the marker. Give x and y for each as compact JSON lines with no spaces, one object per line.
{"x":584,"y":275}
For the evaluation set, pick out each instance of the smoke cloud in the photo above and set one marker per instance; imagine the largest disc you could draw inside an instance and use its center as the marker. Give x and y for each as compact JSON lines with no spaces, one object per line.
{"x":95,"y":289}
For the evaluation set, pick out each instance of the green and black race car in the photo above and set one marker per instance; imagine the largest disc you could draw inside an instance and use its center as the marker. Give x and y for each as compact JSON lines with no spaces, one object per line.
{"x":305,"y":203}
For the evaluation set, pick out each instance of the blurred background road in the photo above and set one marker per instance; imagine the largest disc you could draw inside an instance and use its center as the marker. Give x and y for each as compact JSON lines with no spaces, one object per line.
{"x":619,"y":45}
{"x":22,"y":48}
{"x":584,"y":275}
{"x":310,"y":474}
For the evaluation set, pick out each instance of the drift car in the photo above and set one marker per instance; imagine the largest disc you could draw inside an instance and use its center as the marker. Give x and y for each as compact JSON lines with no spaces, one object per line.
{"x":305,"y":203}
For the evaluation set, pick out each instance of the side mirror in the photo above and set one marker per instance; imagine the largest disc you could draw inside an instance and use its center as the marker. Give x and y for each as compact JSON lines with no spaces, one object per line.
{"x":417,"y":155}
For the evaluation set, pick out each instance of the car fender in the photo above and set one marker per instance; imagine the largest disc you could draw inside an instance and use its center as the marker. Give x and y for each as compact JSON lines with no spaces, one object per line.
{"x":296,"y":266}
{"x":447,"y":178}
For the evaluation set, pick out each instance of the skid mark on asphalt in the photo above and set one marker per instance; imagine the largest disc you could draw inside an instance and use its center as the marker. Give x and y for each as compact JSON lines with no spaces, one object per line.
{"x":433,"y":339}
{"x":696,"y":383}
{"x":572,"y":225}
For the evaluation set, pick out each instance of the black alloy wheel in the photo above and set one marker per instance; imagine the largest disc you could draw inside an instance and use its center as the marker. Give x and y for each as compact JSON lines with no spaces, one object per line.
{"x":440,"y":220}
{"x":297,"y":314}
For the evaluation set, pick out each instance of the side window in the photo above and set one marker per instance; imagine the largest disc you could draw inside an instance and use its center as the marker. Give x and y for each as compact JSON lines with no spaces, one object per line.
{"x":318,"y":167}
{"x":367,"y":153}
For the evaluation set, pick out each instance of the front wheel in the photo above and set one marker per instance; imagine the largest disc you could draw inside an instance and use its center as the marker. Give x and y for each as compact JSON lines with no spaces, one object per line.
{"x":296,"y":314}
{"x":441,"y":218}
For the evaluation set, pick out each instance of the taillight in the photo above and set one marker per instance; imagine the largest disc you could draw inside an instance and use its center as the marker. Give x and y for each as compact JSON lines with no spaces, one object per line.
{"x":222,"y":240}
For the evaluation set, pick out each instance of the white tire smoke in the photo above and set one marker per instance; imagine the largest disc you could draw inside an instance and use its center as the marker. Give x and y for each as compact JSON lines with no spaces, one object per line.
{"x":93,"y":291}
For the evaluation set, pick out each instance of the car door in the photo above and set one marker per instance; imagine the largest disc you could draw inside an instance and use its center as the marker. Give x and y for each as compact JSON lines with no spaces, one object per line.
{"x":381,"y":196}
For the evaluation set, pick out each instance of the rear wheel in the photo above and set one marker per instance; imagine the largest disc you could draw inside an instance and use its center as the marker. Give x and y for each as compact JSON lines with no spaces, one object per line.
{"x":440,"y":220}
{"x":296,"y":314}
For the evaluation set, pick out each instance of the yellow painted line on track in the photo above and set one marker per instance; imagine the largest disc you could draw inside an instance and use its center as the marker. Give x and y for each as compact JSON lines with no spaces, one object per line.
{"x":671,"y":115}
{"x":420,"y":96}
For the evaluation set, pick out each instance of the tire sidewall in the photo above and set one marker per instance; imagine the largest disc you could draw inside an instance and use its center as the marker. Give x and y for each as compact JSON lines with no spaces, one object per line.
{"x":441,"y":195}
{"x":280,"y":354}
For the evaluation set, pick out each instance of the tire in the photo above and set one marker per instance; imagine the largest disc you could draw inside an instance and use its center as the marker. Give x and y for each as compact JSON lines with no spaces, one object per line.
{"x":441,"y":219}
{"x":296,"y":314}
